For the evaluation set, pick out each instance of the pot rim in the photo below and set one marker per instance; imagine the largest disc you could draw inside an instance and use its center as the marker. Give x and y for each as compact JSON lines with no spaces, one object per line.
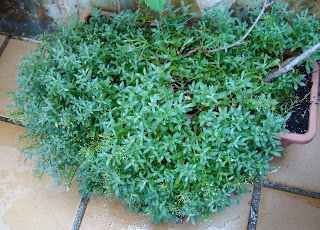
{"x":85,"y":15}
{"x":294,"y":138}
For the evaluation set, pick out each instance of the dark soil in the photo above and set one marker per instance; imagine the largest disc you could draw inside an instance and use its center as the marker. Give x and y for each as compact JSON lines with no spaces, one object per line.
{"x":299,"y":119}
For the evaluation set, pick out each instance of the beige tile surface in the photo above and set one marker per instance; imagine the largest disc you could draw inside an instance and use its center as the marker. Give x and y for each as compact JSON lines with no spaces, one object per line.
{"x":283,"y":211}
{"x":8,"y":62}
{"x":25,"y":201}
{"x":299,"y":165}
{"x":2,"y":38}
{"x":111,"y":214}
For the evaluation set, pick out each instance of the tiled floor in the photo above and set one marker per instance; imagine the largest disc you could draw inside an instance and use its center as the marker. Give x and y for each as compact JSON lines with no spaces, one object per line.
{"x":29,"y":203}
{"x":111,"y":214}
{"x":300,"y":165}
{"x":25,"y":201}
{"x":281,"y":210}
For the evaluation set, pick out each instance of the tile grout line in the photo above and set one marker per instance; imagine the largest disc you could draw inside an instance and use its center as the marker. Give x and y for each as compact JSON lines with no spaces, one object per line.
{"x":25,"y":39}
{"x":254,"y":209}
{"x":80,"y":213}
{"x":84,"y":201}
{"x":4,"y":45}
{"x":273,"y":185}
{"x":10,"y":120}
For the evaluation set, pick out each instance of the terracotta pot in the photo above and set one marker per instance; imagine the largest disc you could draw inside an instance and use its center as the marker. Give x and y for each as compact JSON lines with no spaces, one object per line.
{"x":86,"y":15}
{"x":294,"y":138}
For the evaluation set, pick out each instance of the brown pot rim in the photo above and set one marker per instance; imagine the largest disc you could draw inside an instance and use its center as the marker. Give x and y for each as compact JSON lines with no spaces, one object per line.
{"x":85,"y":15}
{"x":294,"y":138}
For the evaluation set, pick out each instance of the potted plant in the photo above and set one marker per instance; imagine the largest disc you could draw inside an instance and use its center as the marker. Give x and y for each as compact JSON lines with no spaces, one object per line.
{"x":154,"y":113}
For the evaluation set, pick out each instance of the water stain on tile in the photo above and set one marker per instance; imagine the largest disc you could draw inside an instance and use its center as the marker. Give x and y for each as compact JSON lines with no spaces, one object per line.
{"x":36,"y":203}
{"x":102,"y":214}
{"x":25,"y":201}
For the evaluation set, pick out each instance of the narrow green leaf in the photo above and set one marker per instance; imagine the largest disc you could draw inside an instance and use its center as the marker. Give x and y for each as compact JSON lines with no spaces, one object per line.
{"x":156,"y":5}
{"x":273,"y":63}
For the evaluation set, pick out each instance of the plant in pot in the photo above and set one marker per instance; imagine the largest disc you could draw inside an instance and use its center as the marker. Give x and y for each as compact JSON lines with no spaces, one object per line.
{"x":146,"y":113}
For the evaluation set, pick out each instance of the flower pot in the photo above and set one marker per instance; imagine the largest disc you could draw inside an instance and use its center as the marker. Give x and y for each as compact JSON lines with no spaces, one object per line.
{"x":87,"y":13}
{"x":294,"y":138}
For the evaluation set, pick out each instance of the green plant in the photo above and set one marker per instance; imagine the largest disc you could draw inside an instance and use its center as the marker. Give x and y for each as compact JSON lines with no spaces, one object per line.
{"x":156,"y":5}
{"x":117,"y":105}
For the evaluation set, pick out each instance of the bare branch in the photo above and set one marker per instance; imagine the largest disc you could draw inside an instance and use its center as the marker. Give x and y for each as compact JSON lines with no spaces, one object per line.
{"x":265,"y":6}
{"x":192,"y":51}
{"x":119,"y":7}
{"x":293,"y":63}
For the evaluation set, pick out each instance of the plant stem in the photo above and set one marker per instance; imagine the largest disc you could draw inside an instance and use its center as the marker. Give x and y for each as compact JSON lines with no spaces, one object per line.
{"x":80,"y":212}
{"x":293,"y":63}
{"x":119,"y":7}
{"x":192,"y":51}
{"x":265,"y":6}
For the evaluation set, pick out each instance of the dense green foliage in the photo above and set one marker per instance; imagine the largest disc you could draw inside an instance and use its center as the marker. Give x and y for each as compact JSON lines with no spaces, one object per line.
{"x":113,"y":105}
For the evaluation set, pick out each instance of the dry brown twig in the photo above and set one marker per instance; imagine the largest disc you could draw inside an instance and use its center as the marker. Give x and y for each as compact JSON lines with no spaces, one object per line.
{"x":119,"y":6}
{"x":265,"y":5}
{"x":293,"y":63}
{"x":192,"y":51}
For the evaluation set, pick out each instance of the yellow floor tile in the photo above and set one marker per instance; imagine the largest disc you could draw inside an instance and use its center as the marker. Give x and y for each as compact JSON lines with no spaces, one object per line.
{"x":9,"y":134}
{"x":2,"y":38}
{"x":299,"y":165}
{"x":8,"y":62}
{"x":25,"y":201}
{"x":111,"y":214}
{"x":282,"y":211}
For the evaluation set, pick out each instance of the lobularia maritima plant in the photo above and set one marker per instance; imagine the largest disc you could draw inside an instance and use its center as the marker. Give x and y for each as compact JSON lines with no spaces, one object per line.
{"x":119,"y":106}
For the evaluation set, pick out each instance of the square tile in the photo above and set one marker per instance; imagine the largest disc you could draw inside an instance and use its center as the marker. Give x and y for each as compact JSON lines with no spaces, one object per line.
{"x":27,"y":202}
{"x":282,"y":211}
{"x":2,"y":38}
{"x":111,"y":214}
{"x":299,"y":165}
{"x":8,"y":73}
